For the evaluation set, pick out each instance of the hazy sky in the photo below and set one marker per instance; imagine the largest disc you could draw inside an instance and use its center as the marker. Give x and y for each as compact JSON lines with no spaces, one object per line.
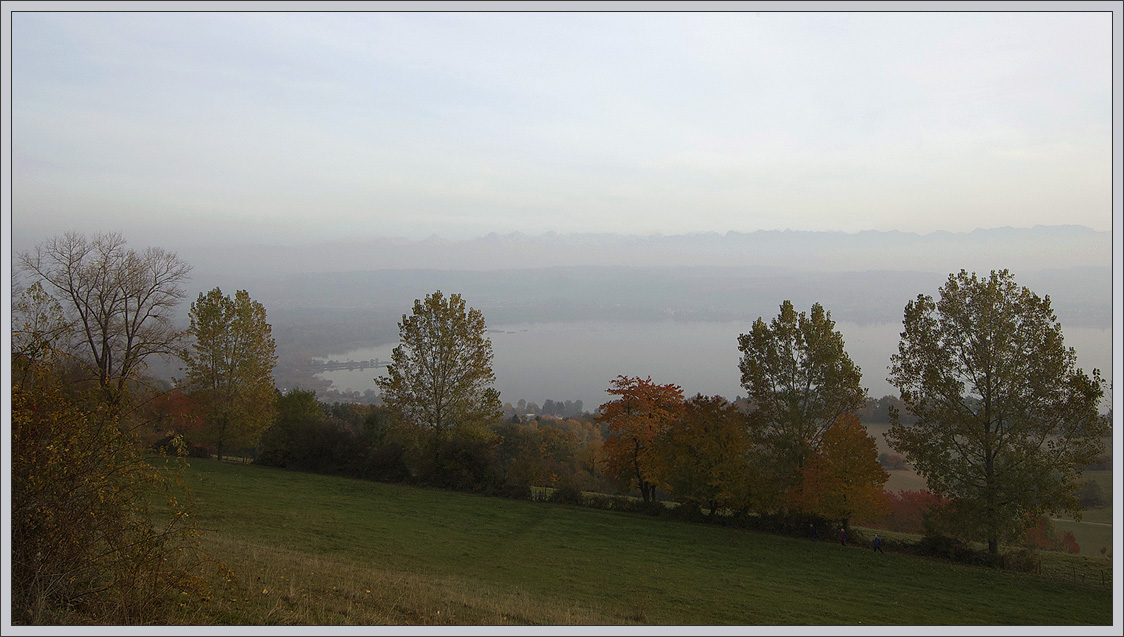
{"x":281,"y":127}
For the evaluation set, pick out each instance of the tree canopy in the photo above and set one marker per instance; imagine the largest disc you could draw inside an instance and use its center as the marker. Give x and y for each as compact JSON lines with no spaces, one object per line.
{"x":1005,"y":418}
{"x":230,"y":367}
{"x":642,"y":412}
{"x":706,"y":455}
{"x":843,"y":480}
{"x":118,"y":303}
{"x":799,"y":379}
{"x":440,"y":375}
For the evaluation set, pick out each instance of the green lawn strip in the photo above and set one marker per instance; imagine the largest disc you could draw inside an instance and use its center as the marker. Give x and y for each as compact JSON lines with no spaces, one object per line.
{"x":1102,"y":514}
{"x":1097,"y":516}
{"x":1091,"y":537}
{"x":649,"y":569}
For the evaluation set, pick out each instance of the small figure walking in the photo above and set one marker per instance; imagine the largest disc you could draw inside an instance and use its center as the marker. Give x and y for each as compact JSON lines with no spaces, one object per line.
{"x":812,"y":531}
{"x":878,"y":544}
{"x":843,"y":536}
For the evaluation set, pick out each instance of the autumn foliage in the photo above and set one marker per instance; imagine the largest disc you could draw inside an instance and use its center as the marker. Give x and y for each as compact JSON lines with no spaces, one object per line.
{"x":705,"y":455}
{"x":176,"y":414}
{"x":230,"y":368}
{"x":642,"y":411}
{"x":84,"y":540}
{"x":1044,"y":535}
{"x":843,"y":479}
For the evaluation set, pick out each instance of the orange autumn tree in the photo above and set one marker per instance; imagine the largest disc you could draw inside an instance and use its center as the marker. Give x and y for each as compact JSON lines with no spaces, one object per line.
{"x":642,"y":411}
{"x":843,"y":479}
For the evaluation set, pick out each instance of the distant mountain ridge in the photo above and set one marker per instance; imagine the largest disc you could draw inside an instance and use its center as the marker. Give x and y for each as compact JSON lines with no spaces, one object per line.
{"x":1018,"y":249}
{"x":334,"y":297}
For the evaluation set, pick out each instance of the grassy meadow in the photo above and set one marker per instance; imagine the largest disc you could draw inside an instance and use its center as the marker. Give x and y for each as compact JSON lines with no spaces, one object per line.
{"x":307,"y":549}
{"x":1094,"y":532}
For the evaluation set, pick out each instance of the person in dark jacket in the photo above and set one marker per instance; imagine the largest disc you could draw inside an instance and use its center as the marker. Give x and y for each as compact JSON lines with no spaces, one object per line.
{"x":878,"y":544}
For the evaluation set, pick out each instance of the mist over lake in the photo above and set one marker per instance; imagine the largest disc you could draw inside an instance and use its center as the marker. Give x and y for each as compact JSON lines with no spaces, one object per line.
{"x":576,"y":360}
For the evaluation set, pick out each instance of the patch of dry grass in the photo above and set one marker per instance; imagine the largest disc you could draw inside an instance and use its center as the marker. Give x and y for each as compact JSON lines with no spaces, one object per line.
{"x":278,"y":586}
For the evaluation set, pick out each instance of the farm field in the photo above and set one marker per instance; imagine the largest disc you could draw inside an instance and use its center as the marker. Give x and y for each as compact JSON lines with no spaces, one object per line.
{"x":308,"y":549}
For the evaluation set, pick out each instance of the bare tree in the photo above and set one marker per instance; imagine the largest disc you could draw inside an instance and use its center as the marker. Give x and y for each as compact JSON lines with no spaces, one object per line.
{"x":119,"y":303}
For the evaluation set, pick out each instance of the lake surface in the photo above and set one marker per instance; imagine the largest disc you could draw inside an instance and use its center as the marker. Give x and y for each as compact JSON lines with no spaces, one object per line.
{"x":577,"y":360}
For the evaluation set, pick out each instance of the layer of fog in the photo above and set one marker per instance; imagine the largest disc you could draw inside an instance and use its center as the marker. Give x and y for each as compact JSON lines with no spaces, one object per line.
{"x":577,"y":360}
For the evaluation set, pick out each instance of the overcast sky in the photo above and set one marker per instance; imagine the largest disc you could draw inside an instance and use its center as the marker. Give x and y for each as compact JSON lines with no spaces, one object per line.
{"x":290,"y":127}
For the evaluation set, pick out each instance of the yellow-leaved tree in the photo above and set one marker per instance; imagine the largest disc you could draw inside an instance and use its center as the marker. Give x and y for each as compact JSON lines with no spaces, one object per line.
{"x":230,"y":368}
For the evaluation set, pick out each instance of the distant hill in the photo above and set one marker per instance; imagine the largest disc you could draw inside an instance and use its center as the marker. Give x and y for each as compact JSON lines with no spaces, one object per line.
{"x":1083,"y":295}
{"x":325,"y":298}
{"x":1018,"y":249}
{"x":331,"y":296}
{"x":865,"y":276}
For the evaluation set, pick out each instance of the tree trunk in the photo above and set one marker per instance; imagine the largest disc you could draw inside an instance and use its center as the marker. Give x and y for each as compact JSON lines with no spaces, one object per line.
{"x":645,"y":487}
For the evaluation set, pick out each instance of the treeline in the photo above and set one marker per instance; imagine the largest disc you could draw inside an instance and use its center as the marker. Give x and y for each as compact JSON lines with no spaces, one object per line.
{"x":553,"y":408}
{"x":366,"y":441}
{"x":508,"y":457}
{"x":877,"y":411}
{"x":568,"y":457}
{"x":650,"y":442}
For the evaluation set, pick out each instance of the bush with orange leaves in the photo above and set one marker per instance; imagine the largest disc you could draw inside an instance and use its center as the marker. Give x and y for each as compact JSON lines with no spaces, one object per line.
{"x":843,"y":480}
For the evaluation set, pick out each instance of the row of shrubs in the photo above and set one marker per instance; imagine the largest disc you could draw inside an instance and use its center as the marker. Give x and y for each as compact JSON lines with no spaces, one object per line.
{"x":799,"y":525}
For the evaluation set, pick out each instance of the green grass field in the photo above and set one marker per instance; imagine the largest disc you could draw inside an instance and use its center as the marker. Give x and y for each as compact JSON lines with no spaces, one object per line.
{"x":309,"y":549}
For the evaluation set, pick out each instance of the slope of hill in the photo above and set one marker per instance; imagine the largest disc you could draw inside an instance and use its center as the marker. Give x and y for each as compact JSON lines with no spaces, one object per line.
{"x":309,"y":549}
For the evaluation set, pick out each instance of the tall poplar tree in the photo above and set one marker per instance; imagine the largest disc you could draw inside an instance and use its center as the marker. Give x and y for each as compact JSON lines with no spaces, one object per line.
{"x":230,"y":367}
{"x":440,"y":375}
{"x":1005,"y":418}
{"x":800,"y":380}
